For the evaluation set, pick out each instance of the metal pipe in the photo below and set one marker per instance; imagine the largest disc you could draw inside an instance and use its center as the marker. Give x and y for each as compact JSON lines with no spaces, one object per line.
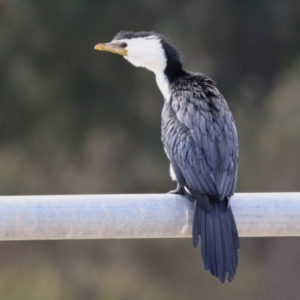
{"x":138,"y":216}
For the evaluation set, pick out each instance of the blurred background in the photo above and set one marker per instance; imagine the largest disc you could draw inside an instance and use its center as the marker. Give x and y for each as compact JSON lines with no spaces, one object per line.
{"x":75,"y":121}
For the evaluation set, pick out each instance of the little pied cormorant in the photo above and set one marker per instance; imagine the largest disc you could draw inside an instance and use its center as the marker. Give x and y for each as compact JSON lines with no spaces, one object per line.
{"x":200,"y":140}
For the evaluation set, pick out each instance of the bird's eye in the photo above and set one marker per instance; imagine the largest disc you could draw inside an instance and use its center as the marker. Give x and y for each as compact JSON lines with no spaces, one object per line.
{"x":123,"y":45}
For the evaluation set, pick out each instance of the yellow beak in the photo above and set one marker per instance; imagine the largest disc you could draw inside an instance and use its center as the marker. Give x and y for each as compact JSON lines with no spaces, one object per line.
{"x":111,"y":47}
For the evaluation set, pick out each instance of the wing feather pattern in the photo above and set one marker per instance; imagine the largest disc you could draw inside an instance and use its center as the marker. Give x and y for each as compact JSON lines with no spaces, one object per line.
{"x":200,"y":138}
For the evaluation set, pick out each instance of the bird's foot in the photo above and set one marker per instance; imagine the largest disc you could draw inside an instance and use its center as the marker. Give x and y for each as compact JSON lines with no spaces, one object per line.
{"x":180,"y":190}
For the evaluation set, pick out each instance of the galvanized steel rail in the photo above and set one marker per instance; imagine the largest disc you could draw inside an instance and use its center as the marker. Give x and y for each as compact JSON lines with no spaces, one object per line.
{"x":138,"y":216}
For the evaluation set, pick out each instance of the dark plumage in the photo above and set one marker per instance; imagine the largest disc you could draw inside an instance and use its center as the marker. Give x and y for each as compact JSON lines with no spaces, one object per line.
{"x":133,"y":35}
{"x":200,"y":139}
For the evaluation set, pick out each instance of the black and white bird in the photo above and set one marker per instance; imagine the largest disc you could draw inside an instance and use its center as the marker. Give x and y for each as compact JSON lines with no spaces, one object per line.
{"x":200,"y":139}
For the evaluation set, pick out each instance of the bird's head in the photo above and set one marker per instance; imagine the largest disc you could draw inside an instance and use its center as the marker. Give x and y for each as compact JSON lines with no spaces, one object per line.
{"x":145,"y":49}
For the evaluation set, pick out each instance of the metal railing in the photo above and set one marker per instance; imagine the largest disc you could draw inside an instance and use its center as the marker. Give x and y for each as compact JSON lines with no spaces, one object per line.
{"x":138,"y":216}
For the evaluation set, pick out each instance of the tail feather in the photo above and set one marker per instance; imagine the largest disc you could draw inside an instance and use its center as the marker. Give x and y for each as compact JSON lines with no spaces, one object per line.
{"x":219,"y":239}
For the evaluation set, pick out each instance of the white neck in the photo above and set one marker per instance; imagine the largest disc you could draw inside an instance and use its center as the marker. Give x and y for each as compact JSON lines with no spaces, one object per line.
{"x":148,"y":52}
{"x":163,"y":84}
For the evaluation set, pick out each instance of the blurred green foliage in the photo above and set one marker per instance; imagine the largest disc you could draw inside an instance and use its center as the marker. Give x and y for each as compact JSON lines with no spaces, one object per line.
{"x":73,"y":120}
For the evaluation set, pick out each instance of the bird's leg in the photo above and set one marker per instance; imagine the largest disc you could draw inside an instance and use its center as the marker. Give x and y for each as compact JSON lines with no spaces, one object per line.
{"x":180,"y":190}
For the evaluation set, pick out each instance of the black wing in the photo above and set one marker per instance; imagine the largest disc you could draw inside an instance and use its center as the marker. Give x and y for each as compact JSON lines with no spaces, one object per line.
{"x":200,"y":138}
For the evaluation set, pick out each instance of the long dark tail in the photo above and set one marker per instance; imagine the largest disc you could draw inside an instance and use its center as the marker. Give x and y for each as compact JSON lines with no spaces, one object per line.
{"x":219,"y":239}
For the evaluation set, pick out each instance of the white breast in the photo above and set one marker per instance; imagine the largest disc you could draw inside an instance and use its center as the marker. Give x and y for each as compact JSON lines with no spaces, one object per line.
{"x":163,"y":85}
{"x":172,"y":173}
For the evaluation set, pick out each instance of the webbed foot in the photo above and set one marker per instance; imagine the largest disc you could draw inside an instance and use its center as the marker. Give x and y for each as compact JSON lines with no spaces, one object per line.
{"x":180,"y":190}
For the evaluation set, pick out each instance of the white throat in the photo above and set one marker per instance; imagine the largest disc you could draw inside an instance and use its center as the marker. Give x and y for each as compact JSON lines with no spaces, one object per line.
{"x":148,"y":52}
